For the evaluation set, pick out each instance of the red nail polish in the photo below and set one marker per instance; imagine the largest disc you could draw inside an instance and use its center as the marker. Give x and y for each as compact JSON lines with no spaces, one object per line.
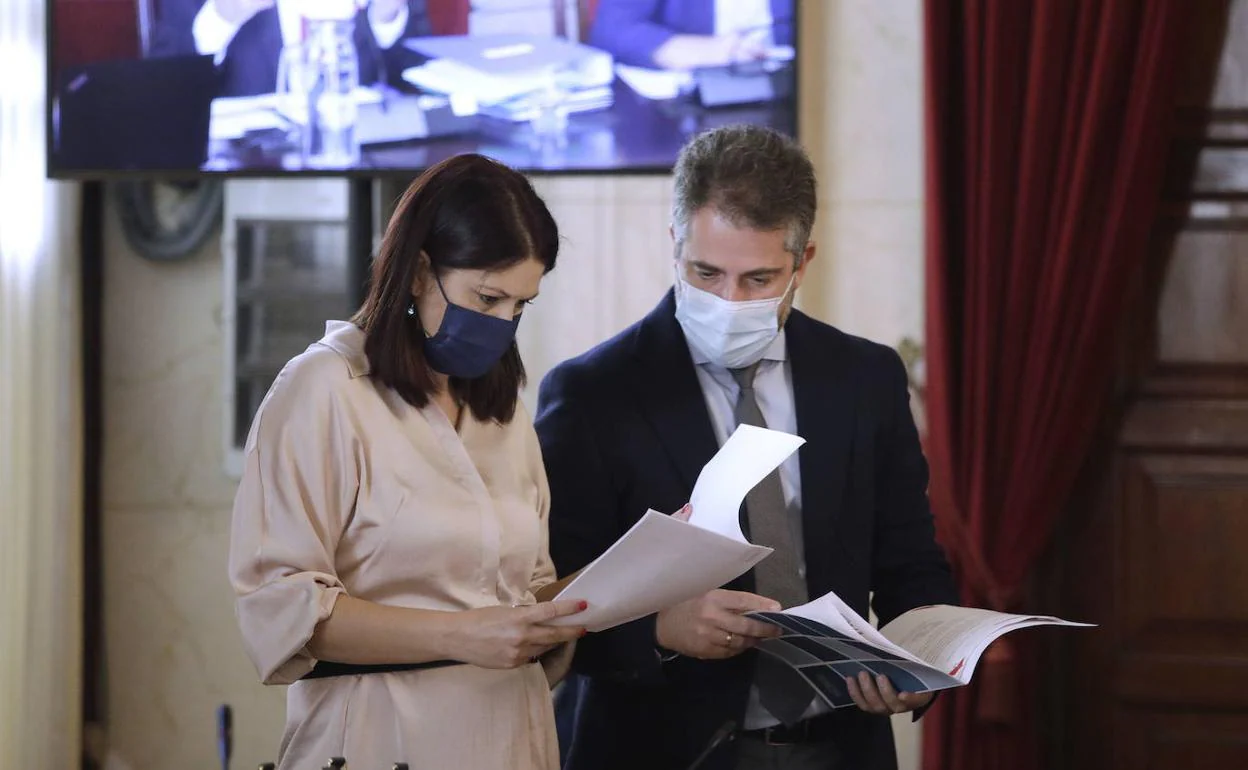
{"x":584,"y":631}
{"x":583,"y":606}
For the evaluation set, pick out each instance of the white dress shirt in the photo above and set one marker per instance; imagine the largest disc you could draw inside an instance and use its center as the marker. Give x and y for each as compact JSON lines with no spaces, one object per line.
{"x":213,"y":34}
{"x":749,"y":17}
{"x":773,"y":388}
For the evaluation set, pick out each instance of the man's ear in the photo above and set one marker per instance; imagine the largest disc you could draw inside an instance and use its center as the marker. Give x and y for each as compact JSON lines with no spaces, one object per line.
{"x":808,"y":254}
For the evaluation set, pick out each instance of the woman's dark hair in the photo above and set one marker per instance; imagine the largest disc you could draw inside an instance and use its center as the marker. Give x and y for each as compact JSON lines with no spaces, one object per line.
{"x":467,"y":212}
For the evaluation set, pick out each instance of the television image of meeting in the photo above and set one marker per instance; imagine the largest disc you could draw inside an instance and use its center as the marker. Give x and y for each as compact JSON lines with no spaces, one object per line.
{"x":181,"y":88}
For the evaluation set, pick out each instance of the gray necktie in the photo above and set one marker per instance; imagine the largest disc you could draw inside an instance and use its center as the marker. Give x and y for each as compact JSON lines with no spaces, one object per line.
{"x":782,"y":690}
{"x":777,"y":576}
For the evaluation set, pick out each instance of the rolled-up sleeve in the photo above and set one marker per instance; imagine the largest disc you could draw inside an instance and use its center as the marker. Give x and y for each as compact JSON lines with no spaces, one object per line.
{"x":294,"y":500}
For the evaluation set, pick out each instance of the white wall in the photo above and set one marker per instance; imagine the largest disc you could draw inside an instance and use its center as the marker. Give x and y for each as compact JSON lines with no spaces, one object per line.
{"x":173,"y":651}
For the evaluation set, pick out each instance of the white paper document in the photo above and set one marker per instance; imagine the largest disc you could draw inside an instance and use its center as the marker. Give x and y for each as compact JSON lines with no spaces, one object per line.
{"x":952,"y":639}
{"x":234,"y":116}
{"x":923,"y":650}
{"x":656,"y":85}
{"x":745,"y":459}
{"x":663,"y":561}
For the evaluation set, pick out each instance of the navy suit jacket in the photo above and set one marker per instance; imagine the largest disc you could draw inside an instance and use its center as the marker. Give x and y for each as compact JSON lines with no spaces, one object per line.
{"x":624,"y":428}
{"x":632,"y":30}
{"x":250,"y":63}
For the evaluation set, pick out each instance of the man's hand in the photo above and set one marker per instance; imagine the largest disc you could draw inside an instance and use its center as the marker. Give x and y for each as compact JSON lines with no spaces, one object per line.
{"x":690,"y":52}
{"x":711,"y":627}
{"x":875,"y":695}
{"x":238,"y":12}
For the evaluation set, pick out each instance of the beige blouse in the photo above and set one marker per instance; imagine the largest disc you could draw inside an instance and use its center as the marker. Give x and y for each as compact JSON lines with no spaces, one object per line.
{"x":347,"y":489}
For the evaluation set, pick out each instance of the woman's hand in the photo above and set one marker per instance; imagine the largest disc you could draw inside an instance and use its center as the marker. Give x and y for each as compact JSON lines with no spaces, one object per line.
{"x":508,"y":637}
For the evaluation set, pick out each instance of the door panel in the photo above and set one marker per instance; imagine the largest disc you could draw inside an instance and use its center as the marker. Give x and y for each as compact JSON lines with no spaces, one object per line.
{"x":1158,"y":553}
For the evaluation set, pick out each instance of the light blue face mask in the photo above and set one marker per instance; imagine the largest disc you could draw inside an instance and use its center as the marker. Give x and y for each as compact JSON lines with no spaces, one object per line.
{"x":730,"y":334}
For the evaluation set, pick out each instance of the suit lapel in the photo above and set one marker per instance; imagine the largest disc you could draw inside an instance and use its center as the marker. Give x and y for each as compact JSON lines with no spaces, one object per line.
{"x":258,"y":56}
{"x":824,"y":396}
{"x":669,"y":393}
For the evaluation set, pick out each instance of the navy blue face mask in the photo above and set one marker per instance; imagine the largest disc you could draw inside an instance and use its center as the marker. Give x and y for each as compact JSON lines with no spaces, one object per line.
{"x":468,"y":343}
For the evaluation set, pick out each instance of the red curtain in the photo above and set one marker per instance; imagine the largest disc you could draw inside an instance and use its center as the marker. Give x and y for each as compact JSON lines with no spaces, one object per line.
{"x":1046,"y":131}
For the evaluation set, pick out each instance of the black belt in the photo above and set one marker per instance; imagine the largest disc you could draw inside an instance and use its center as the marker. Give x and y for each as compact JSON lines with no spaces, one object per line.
{"x":819,"y":729}
{"x":325,"y":668}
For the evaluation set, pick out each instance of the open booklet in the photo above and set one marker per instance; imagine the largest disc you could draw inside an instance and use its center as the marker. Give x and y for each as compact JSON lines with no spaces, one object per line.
{"x":925,"y":649}
{"x":663,"y":561}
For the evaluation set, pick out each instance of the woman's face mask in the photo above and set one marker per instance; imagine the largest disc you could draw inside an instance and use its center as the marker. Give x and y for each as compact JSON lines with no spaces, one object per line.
{"x":469,"y":342}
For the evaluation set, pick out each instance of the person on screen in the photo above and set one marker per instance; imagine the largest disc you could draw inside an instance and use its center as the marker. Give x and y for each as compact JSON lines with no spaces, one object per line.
{"x":247,"y":36}
{"x":388,"y":545}
{"x":688,"y":34}
{"x":628,"y":426}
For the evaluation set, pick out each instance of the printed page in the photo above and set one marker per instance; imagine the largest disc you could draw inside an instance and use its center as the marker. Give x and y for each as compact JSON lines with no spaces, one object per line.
{"x":745,"y":459}
{"x":952,"y":639}
{"x":867,"y":632}
{"x":662,"y":561}
{"x":659,"y":563}
{"x":825,"y":641}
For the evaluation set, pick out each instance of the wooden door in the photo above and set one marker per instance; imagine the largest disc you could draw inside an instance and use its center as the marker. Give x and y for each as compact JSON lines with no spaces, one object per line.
{"x":1159,"y":552}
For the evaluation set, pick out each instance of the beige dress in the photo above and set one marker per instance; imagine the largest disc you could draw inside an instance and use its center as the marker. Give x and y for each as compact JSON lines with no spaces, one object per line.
{"x":348,"y":490}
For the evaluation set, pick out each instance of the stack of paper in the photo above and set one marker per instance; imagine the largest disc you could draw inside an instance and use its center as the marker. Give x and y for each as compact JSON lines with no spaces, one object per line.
{"x":235,"y":116}
{"x":663,"y":561}
{"x":494,"y":68}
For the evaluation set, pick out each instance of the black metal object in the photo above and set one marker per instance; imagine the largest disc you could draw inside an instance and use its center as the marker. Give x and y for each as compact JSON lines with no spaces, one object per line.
{"x":91,"y":250}
{"x":361,"y":227}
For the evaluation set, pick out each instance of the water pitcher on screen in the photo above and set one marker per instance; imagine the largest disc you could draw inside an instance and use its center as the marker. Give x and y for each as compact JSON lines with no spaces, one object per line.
{"x":317,"y":83}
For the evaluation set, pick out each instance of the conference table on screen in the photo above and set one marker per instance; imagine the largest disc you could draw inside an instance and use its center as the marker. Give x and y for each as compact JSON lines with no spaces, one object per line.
{"x":633,"y":133}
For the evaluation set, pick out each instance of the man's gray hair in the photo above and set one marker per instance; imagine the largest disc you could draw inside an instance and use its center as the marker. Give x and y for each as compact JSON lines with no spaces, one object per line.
{"x":754,"y":177}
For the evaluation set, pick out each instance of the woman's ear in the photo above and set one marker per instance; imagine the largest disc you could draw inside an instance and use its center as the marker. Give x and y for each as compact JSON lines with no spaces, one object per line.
{"x":424,"y":268}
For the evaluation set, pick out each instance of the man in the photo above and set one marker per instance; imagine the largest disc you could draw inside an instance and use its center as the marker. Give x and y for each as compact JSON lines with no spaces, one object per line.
{"x":688,"y":34}
{"x":247,"y":36}
{"x":628,"y":426}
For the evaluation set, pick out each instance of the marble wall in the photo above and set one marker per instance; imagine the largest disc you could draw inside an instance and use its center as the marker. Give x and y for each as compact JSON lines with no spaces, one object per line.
{"x":173,"y":651}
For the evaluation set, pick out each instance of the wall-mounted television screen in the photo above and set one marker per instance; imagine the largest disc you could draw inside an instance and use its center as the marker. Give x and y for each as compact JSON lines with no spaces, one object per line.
{"x":180,"y":88}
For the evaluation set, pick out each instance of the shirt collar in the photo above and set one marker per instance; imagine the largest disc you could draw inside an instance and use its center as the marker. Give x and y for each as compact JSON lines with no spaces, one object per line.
{"x":776,"y":351}
{"x":347,"y":340}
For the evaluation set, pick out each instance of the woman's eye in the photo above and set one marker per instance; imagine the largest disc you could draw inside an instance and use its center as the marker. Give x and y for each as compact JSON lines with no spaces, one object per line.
{"x":488,"y":300}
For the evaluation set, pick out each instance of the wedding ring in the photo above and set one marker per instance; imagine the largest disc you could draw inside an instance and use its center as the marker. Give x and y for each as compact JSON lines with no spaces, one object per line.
{"x":728,"y":639}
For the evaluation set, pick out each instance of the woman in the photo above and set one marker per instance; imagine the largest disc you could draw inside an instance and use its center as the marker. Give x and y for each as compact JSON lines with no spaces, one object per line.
{"x":391,"y":518}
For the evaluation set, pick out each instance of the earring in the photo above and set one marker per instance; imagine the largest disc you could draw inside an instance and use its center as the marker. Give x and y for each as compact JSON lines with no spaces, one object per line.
{"x":411,"y":309}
